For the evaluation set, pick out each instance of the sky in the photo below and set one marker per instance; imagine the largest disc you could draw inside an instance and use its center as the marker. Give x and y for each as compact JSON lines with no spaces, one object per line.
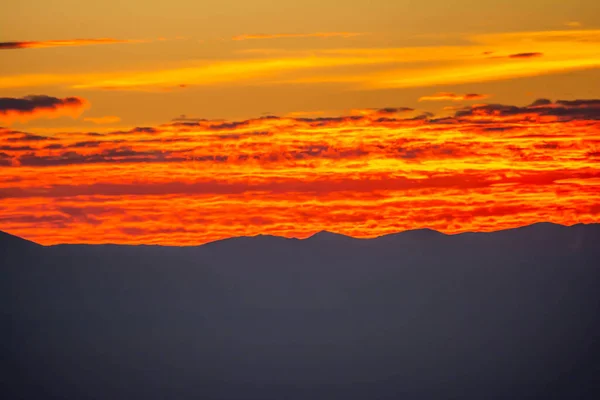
{"x":184,"y":122}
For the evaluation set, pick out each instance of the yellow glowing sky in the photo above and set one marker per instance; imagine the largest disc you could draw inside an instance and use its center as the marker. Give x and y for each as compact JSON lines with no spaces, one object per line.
{"x":400,"y":50}
{"x":128,"y":64}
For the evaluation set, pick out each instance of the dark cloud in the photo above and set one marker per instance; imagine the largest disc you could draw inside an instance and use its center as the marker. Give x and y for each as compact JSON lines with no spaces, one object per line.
{"x":54,"y":220}
{"x":489,"y":109}
{"x":564,"y":109}
{"x":185,"y":118}
{"x":541,"y":102}
{"x":32,"y":103}
{"x":504,"y":128}
{"x":12,"y":45}
{"x":228,"y":125}
{"x":525,"y":55}
{"x":396,"y":110}
{"x":28,"y":137}
{"x":324,"y":121}
{"x":392,"y":110}
{"x":143,"y":129}
{"x":242,"y":135}
{"x":120,"y":155}
{"x":594,"y":154}
{"x":480,"y":119}
{"x":580,"y":103}
{"x":59,"y":43}
{"x":85,"y":144}
{"x":53,"y":146}
{"x":80,"y":215}
{"x":16,"y":148}
{"x":428,"y":151}
{"x":547,"y":146}
{"x":212,"y":125}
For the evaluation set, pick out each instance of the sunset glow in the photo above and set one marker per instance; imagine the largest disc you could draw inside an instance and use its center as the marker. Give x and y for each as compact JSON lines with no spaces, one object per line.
{"x":364,"y":128}
{"x":191,"y":181}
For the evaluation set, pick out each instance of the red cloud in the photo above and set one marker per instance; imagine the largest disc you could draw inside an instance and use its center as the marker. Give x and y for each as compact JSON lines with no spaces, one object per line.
{"x":487,"y":167}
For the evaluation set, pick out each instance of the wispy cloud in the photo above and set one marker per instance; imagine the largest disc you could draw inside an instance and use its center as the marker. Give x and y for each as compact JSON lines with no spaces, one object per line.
{"x":253,"y":36}
{"x":447,"y":96}
{"x":39,"y":106}
{"x":223,"y":72}
{"x":358,"y":68}
{"x":525,"y":55}
{"x":62,"y":43}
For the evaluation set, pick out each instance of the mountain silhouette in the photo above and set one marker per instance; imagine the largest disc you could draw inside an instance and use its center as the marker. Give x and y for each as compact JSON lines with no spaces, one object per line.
{"x":10,"y":242}
{"x":328,"y":236}
{"x":511,"y":314}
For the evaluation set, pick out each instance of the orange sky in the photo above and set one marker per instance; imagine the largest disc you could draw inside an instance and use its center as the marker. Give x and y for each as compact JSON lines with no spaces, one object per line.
{"x":243,"y":120}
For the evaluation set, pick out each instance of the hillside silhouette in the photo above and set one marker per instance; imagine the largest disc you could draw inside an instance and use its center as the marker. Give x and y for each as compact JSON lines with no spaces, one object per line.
{"x":512,"y":314}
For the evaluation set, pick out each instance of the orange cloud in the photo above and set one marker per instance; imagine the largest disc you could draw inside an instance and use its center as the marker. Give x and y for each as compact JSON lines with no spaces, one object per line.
{"x":62,"y":43}
{"x":40,"y":106}
{"x":485,"y":167}
{"x":109,"y":119}
{"x":295,"y":35}
{"x":445,"y":96}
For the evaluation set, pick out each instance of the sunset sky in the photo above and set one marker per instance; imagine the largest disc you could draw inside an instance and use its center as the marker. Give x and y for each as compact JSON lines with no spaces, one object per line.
{"x":183,"y":122}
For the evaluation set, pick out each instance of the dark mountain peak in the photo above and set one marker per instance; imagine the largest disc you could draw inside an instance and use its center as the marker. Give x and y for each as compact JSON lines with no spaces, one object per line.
{"x":8,"y":241}
{"x":250,"y":240}
{"x":543,"y":225}
{"x":329,"y":236}
{"x":538,"y":228}
{"x":424,"y":233}
{"x":268,"y":237}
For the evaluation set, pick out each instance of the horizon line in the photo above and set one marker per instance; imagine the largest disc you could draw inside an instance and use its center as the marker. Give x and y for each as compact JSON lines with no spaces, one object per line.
{"x":313,"y":236}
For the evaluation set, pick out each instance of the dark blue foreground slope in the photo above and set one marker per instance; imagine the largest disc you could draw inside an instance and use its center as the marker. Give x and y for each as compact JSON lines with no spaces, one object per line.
{"x":418,"y":315}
